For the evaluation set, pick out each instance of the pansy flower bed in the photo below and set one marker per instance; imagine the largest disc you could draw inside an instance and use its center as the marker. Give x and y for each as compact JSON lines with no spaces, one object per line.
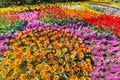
{"x":49,"y":42}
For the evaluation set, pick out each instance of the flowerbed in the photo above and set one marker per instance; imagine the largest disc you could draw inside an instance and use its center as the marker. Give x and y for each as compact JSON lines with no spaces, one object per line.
{"x":10,"y":22}
{"x":105,"y":9}
{"x":56,"y":15}
{"x":52,"y":43}
{"x":37,"y":7}
{"x":106,"y":22}
{"x":54,"y":56}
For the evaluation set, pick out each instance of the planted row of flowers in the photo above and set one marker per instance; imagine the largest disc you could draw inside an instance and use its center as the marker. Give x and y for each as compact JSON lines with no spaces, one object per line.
{"x":10,"y":22}
{"x":106,"y":22}
{"x":103,"y":21}
{"x":105,"y":9}
{"x":25,"y":8}
{"x":38,"y":6}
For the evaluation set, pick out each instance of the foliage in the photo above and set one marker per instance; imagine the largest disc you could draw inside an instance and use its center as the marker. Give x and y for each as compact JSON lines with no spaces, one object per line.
{"x":6,"y":3}
{"x":115,"y":1}
{"x":105,"y":9}
{"x":59,"y":21}
{"x":9,"y":29}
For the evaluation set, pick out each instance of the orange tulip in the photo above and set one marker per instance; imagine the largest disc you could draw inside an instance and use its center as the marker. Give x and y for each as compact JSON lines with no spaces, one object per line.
{"x":52,"y":61}
{"x":49,"y":56}
{"x":73,"y":63}
{"x":80,"y":64}
{"x":60,"y":60}
{"x":56,"y":77}
{"x":14,"y":75}
{"x":29,"y":66}
{"x":66,"y":57}
{"x":71,"y":71}
{"x":76,"y":69}
{"x":32,"y":72}
{"x":12,"y":40}
{"x":60,"y":69}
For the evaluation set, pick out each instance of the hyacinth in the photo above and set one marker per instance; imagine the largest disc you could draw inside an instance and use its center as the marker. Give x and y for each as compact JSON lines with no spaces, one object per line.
{"x":28,"y":16}
{"x":46,"y":54}
{"x":102,"y":48}
{"x":3,"y":43}
{"x":31,"y":18}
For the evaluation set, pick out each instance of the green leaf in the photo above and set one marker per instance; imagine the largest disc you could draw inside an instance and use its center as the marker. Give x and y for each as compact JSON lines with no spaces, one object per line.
{"x":66,"y":77}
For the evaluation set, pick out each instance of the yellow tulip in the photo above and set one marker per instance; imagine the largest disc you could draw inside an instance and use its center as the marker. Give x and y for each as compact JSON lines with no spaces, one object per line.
{"x":56,"y":77}
{"x":23,"y":77}
{"x":14,"y":75}
{"x":17,"y":61}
